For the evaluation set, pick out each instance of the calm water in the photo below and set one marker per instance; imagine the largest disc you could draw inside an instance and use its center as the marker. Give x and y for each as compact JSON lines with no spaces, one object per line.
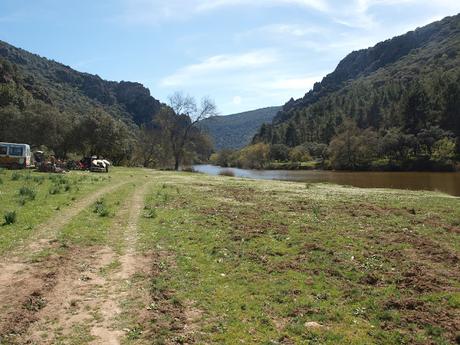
{"x":444,"y":182}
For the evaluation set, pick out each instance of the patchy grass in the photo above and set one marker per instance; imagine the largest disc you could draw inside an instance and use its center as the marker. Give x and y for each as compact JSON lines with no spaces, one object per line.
{"x":260,"y":262}
{"x":28,"y":195}
{"x":92,"y":225}
{"x":284,"y":263}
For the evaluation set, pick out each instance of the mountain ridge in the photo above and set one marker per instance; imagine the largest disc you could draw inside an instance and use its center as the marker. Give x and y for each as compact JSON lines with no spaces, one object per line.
{"x":373,"y":87}
{"x":51,"y":82}
{"x":237,"y":130}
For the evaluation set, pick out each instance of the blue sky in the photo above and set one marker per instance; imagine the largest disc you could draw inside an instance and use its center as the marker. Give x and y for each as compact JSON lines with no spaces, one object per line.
{"x":244,"y":54}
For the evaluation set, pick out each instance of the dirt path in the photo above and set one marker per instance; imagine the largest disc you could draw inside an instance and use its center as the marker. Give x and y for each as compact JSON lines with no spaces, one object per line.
{"x":22,"y":282}
{"x":83,"y":303}
{"x":130,"y":263}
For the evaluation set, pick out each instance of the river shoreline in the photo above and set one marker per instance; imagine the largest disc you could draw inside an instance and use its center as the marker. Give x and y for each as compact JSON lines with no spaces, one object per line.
{"x":446,"y":182}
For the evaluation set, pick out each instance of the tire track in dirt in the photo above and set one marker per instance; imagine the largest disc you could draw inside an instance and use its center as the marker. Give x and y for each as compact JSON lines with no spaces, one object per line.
{"x":23,"y":283}
{"x":91,"y":284}
{"x":131,"y":263}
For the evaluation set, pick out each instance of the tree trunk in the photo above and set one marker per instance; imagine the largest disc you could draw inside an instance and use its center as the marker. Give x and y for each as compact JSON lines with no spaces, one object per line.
{"x":177,"y":163}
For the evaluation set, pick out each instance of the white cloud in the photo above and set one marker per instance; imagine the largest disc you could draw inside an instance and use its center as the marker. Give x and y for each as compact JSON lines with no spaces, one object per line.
{"x":295,"y":30}
{"x":297,"y":84}
{"x":153,"y":11}
{"x":213,"y":67}
{"x":319,"y":5}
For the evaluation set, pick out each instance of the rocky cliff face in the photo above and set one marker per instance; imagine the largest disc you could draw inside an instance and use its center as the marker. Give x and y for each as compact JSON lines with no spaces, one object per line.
{"x":66,"y":88}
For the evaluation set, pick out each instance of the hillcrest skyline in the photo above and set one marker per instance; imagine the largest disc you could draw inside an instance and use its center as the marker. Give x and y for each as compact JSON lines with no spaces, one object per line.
{"x":246,"y":55}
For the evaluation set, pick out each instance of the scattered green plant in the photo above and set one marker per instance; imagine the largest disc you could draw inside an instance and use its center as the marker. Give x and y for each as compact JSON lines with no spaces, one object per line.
{"x":38,"y":179}
{"x":54,"y":190}
{"x":101,"y":208}
{"x":15,"y":176}
{"x":150,"y":212}
{"x":27,"y":194}
{"x":10,"y":217}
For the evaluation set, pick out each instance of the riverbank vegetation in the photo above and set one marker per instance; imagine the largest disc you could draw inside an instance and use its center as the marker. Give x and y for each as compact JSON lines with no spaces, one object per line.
{"x":352,"y":149}
{"x":190,"y":258}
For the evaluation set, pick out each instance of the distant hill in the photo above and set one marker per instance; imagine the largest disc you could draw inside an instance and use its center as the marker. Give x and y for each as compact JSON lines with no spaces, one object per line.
{"x":410,"y":83}
{"x":236,"y":131}
{"x":28,"y":78}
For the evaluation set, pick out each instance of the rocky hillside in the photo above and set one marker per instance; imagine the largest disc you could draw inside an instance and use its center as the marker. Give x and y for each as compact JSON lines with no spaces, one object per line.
{"x":68,"y":90}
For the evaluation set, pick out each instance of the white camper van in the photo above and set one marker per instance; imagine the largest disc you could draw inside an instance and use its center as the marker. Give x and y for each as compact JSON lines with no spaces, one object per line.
{"x":15,"y":156}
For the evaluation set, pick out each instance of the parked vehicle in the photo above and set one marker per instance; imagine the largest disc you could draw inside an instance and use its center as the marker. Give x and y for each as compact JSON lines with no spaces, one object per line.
{"x":99,"y":165}
{"x":15,"y":156}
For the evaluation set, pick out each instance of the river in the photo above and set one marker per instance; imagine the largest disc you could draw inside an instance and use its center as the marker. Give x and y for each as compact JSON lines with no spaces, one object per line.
{"x":443,"y":182}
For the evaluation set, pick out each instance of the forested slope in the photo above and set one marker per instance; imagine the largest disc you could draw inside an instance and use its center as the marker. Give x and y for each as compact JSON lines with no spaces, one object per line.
{"x":404,"y":91}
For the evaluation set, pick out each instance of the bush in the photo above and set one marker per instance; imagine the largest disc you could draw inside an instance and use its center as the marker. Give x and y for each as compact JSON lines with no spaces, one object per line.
{"x":54,"y":190}
{"x":27,"y":193}
{"x":58,"y":179}
{"x":38,"y":179}
{"x":227,"y":172}
{"x":299,"y":154}
{"x":189,"y":169}
{"x":101,"y":208}
{"x":254,"y":156}
{"x":279,"y":152}
{"x":223,"y":158}
{"x":10,"y":217}
{"x":444,"y":150}
{"x":15,"y":176}
{"x":150,"y":213}
{"x":1,"y":181}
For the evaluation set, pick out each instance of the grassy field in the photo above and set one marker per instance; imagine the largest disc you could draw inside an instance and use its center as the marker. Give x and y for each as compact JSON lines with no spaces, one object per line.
{"x":181,"y":258}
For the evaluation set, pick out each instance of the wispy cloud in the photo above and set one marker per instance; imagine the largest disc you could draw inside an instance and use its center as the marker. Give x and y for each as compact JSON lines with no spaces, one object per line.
{"x":154,"y":11}
{"x":295,"y":84}
{"x":211,"y":69}
{"x":319,"y":5}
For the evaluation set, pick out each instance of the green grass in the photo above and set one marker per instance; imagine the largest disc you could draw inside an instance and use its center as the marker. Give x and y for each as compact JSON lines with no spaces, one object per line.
{"x":261,"y":259}
{"x":27,"y":194}
{"x":92,"y":225}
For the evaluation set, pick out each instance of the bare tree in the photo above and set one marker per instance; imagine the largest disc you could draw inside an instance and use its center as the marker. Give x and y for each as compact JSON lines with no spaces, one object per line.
{"x":179,"y":122}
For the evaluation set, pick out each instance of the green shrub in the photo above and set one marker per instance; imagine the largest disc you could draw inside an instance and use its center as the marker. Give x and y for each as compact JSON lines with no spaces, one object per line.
{"x":58,"y":179}
{"x":27,"y":193}
{"x":150,"y":213}
{"x":1,"y":181}
{"x":101,"y":208}
{"x":15,"y":176}
{"x":54,"y":190}
{"x":2,"y":171}
{"x":10,"y":217}
{"x":38,"y":179}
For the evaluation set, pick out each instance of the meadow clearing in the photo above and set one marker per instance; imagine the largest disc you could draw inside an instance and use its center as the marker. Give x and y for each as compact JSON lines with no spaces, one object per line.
{"x":140,"y":256}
